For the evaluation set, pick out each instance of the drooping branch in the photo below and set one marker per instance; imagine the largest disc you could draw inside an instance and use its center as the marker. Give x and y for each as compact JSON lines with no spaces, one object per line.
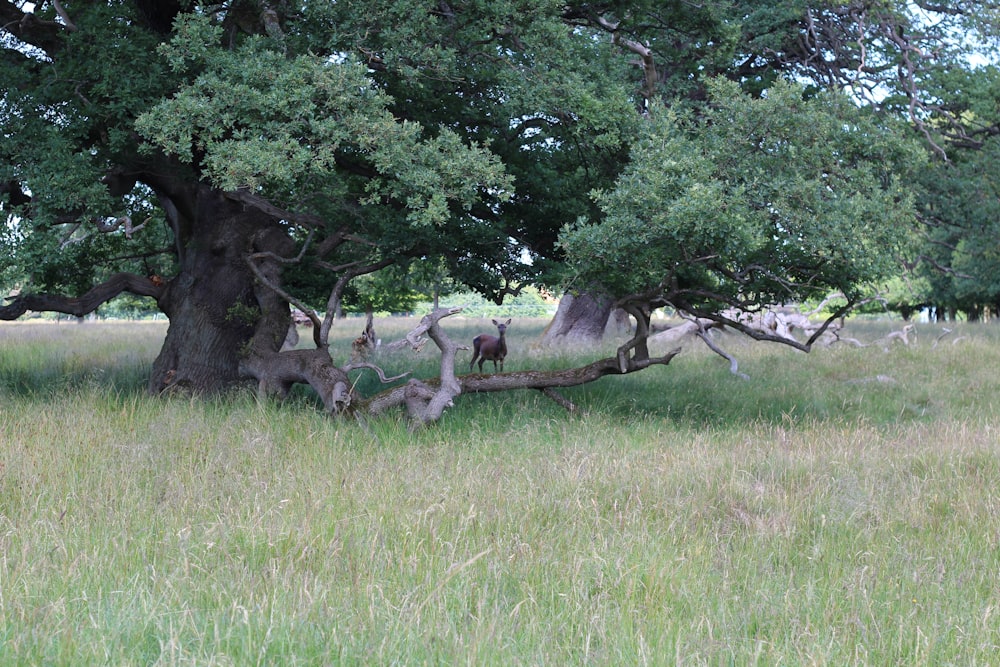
{"x":321,"y":328}
{"x":82,"y":305}
{"x":252,"y":263}
{"x":560,"y":400}
{"x":760,"y":327}
{"x":61,"y":11}
{"x":734,"y":364}
{"x":356,"y":365}
{"x":639,"y":343}
{"x":321,"y":334}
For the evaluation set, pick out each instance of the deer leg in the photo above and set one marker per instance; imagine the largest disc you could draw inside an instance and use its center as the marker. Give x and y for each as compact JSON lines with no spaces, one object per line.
{"x":475,"y":354}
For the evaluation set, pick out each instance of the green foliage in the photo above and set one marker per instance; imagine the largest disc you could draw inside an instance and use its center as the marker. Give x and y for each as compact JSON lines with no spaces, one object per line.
{"x":469,"y":134}
{"x":906,"y":295}
{"x":386,"y":291}
{"x":257,"y":119}
{"x":758,"y":201}
{"x":129,"y":307}
{"x":242,"y":314}
{"x":960,"y":204}
{"x":529,"y":303}
{"x":67,"y":124}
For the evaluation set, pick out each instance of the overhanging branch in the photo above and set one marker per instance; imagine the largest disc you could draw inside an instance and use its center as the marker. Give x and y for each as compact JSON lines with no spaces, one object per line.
{"x":82,"y":305}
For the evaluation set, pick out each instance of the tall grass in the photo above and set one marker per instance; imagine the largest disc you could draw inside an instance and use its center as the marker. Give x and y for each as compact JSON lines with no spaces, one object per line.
{"x":838,"y":508}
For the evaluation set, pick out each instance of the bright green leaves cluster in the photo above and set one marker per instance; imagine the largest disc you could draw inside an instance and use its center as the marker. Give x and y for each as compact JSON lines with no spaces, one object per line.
{"x":287,"y":126}
{"x":756,"y":201}
{"x":429,"y":174}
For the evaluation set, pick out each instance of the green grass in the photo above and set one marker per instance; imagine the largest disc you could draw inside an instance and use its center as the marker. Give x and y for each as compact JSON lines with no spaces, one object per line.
{"x":839,"y":508}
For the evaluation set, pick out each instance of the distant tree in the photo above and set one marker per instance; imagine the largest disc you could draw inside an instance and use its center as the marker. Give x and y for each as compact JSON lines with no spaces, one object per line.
{"x":529,"y":303}
{"x":432,"y":280}
{"x":910,"y":60}
{"x":752,"y":203}
{"x":957,"y":255}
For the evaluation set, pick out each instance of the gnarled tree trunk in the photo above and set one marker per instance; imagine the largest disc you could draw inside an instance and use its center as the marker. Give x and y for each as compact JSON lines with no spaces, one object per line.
{"x":580,"y":320}
{"x":216,"y":308}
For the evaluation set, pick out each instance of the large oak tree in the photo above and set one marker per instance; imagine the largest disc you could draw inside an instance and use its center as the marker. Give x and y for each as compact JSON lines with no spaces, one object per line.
{"x":228,"y":160}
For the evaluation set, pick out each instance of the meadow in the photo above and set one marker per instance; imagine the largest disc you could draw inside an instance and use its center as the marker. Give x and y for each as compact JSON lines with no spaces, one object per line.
{"x":837,"y":508}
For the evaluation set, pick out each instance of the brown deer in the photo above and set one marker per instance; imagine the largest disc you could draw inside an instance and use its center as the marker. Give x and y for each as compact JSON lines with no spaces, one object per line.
{"x":490,"y":348}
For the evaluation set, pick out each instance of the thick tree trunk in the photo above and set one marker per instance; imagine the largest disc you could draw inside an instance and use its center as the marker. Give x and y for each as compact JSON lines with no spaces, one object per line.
{"x":580,"y":320}
{"x":227,"y":320}
{"x":213,"y":303}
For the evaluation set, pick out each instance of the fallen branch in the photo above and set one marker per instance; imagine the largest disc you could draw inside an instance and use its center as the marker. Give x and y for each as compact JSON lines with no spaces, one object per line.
{"x":560,"y":399}
{"x":946,"y":331}
{"x":356,"y":365}
{"x":425,"y":401}
{"x":475,"y":383}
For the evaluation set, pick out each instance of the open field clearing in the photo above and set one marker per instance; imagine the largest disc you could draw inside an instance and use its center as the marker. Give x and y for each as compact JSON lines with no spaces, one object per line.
{"x":838,"y":508}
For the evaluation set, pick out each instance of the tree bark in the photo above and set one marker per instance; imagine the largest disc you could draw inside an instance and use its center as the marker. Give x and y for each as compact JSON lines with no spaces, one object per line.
{"x":579,"y":320}
{"x":218,"y":311}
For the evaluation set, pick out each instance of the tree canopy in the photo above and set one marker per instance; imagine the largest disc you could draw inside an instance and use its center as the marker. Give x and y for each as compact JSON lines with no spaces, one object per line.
{"x":754,"y":202}
{"x":229,"y":160}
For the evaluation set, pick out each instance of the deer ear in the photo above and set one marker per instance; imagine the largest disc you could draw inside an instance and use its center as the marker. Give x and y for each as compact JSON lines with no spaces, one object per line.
{"x":495,"y":323}
{"x":507,"y":322}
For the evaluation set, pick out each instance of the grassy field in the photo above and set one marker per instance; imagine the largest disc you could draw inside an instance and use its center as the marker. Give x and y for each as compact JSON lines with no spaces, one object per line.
{"x":838,"y":508}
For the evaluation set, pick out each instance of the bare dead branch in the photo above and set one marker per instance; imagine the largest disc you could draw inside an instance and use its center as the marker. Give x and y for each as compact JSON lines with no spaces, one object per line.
{"x":321,"y":334}
{"x":426,"y":401}
{"x":355,"y":365}
{"x":277,"y":289}
{"x":945,"y":333}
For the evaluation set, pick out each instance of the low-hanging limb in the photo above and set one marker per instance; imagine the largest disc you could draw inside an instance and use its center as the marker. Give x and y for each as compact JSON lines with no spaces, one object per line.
{"x":85,"y":304}
{"x":425,"y":400}
{"x":734,"y":365}
{"x":762,"y":333}
{"x":271,"y":256}
{"x":322,"y":331}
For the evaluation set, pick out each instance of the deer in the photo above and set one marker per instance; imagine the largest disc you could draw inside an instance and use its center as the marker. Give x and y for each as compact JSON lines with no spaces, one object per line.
{"x":490,"y":348}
